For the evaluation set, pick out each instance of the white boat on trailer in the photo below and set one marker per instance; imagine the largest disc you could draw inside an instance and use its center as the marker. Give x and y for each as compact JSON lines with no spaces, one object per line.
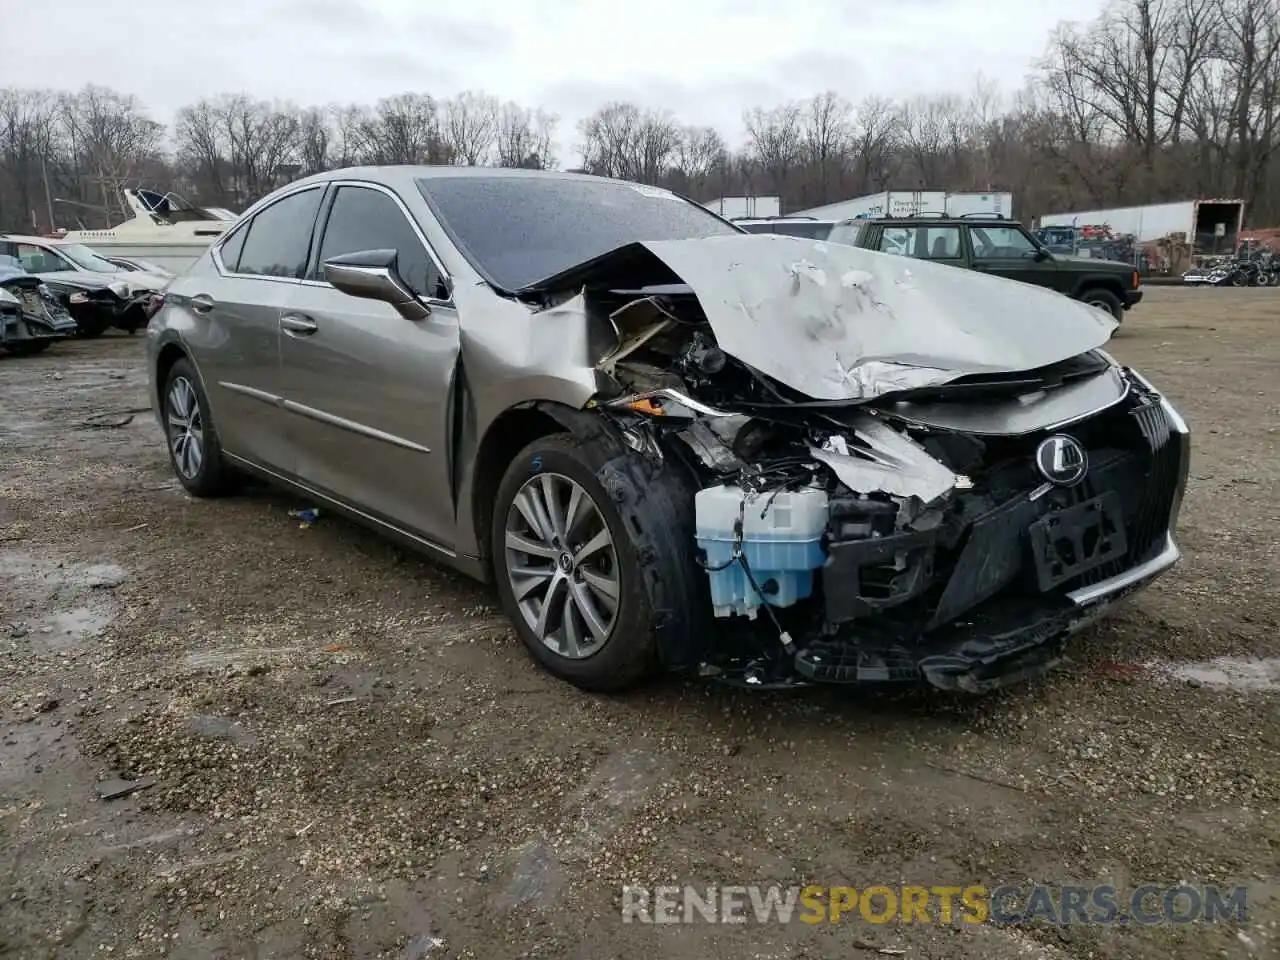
{"x":164,"y":230}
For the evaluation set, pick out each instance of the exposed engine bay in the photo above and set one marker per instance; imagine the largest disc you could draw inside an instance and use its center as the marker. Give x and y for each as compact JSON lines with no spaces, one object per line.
{"x":937,"y":527}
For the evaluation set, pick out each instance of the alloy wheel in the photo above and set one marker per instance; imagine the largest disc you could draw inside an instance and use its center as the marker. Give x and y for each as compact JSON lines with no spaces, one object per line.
{"x":562,"y":565}
{"x":185,"y":427}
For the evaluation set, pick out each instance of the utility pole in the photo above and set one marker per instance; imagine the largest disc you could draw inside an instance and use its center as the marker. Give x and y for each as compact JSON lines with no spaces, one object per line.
{"x":48,"y":195}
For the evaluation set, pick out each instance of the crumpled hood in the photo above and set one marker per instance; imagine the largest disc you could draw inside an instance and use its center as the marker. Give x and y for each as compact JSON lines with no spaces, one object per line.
{"x":841,"y":323}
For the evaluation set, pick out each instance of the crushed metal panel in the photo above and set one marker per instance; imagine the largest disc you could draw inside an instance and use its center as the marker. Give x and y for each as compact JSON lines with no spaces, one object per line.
{"x":841,"y":323}
{"x":901,"y":467}
{"x":513,"y":354}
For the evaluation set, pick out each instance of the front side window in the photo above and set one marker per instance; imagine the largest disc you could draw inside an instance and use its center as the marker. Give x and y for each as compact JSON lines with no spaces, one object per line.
{"x":279,"y":237}
{"x":1000,"y":243}
{"x":40,"y":260}
{"x":362,"y":218}
{"x":923,"y":243}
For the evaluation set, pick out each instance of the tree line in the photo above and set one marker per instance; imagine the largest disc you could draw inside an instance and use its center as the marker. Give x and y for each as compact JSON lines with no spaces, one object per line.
{"x":1155,"y":100}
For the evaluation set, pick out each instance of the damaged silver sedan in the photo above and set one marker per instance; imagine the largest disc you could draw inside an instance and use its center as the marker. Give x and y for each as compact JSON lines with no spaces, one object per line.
{"x":671,"y":444}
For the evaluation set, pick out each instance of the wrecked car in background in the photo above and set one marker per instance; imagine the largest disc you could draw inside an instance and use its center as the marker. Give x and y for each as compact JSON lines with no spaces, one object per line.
{"x":672,"y":444}
{"x":98,"y":293}
{"x":31,"y":317}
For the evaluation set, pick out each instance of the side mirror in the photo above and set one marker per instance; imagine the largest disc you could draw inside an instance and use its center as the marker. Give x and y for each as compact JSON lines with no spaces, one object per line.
{"x":372,"y":275}
{"x":1040,"y":255}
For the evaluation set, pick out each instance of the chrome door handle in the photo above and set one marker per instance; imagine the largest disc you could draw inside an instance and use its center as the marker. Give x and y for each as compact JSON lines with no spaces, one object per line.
{"x":296,"y":325}
{"x":202,"y":303}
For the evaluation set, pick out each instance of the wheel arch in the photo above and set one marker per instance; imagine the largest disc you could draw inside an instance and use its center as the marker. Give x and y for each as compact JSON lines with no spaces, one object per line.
{"x":507,"y":434}
{"x":166,"y":357}
{"x":1099,"y":282}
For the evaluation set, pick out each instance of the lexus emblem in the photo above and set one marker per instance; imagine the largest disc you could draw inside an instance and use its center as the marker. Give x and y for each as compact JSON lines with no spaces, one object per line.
{"x":1062,"y":460}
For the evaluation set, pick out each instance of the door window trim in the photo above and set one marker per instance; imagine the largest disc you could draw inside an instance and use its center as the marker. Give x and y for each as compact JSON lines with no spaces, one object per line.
{"x":323,"y":225}
{"x":247,"y":223}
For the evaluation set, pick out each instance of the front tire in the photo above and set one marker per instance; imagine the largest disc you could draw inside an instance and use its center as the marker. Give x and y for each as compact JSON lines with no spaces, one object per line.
{"x":593,"y":559}
{"x":194,"y":451}
{"x":1104,"y":300}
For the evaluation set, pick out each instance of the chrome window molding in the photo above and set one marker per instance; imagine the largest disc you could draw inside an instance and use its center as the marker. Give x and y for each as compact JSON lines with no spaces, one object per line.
{"x":367,"y":184}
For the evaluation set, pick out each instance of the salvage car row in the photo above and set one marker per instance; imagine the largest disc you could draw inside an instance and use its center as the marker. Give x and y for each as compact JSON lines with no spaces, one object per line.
{"x":51,"y":290}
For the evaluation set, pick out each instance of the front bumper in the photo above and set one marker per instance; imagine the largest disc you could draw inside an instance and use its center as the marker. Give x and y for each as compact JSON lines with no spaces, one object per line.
{"x":1132,"y":298}
{"x":974,"y":644}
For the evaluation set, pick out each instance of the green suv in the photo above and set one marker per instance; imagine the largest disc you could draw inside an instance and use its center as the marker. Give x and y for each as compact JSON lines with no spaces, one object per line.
{"x":1003,"y":247}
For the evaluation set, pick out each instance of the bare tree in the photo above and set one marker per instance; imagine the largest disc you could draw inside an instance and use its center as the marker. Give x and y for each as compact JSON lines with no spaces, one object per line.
{"x":404,"y":129}
{"x":825,"y":132}
{"x":110,"y":137}
{"x":874,"y":134}
{"x":525,"y":137}
{"x":699,"y":153}
{"x":28,"y":141}
{"x":471,"y":126}
{"x":622,"y":140}
{"x":774,"y":141}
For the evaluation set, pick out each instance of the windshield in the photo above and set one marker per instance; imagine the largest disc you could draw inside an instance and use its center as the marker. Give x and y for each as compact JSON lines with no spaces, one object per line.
{"x":517,"y":230}
{"x":86,"y":259}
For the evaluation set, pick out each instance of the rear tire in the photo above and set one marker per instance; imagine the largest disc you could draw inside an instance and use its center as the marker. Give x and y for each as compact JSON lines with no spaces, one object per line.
{"x":194,"y":451}
{"x":28,"y":348}
{"x":90,"y":328}
{"x":1101,"y":299}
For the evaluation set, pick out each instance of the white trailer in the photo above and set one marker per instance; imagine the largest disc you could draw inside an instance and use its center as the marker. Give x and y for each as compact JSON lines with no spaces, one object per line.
{"x":730,"y":207}
{"x":1211,"y":226}
{"x":991,"y":204}
{"x":910,"y":203}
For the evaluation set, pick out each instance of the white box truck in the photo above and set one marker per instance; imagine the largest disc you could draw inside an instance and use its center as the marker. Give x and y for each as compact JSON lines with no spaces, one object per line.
{"x":911,"y":203}
{"x":731,"y":207}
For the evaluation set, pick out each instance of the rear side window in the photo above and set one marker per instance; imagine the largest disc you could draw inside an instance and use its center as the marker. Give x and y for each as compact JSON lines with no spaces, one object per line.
{"x":924,"y":243}
{"x":279,"y":238}
{"x":229,"y":252}
{"x":362,"y":218}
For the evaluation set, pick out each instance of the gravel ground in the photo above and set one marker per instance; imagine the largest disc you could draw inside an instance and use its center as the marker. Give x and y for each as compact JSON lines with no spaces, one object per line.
{"x":349,"y":755}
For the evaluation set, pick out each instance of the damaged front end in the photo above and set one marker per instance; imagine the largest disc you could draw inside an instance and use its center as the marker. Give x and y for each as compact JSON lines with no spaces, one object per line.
{"x":892,"y":514}
{"x":31,"y":318}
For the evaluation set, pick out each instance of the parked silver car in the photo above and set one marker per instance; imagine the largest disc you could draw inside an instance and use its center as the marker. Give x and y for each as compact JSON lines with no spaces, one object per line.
{"x":671,"y":443}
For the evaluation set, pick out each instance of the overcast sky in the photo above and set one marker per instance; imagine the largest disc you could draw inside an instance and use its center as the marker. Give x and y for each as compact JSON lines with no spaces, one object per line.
{"x":704,"y":59}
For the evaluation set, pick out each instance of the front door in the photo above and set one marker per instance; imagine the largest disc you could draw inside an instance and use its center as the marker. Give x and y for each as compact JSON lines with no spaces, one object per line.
{"x":1008,"y":251}
{"x":367,"y":391}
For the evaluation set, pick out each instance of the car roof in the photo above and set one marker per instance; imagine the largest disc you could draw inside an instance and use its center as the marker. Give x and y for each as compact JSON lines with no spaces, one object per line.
{"x":780,"y":217}
{"x":23,"y":238}
{"x":983,"y":220}
{"x":403,"y":175}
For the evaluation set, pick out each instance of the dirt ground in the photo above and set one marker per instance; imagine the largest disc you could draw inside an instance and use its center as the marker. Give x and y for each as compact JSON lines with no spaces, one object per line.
{"x":350,"y":755}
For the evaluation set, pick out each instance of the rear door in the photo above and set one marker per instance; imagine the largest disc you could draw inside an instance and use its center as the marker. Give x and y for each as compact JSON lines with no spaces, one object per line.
{"x":367,"y":391}
{"x":939,"y":243}
{"x":236,"y":311}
